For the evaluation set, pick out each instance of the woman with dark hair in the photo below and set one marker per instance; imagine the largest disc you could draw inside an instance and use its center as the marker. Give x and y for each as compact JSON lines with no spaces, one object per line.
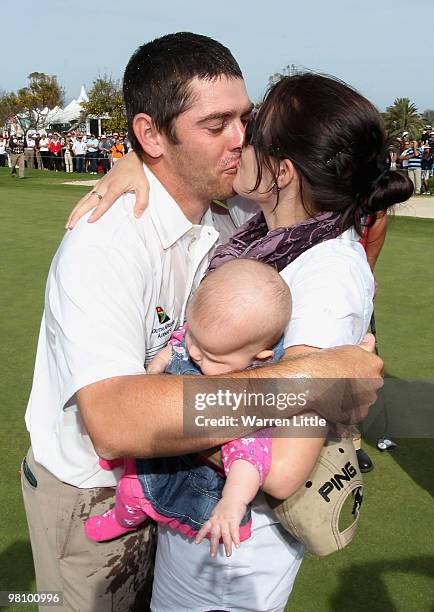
{"x":314,"y":161}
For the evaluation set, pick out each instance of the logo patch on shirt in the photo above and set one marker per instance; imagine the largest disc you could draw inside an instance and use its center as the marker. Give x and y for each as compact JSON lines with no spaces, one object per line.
{"x":163,"y":317}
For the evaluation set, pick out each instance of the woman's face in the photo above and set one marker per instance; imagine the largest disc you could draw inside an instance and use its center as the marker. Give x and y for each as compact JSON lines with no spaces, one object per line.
{"x":245,"y":178}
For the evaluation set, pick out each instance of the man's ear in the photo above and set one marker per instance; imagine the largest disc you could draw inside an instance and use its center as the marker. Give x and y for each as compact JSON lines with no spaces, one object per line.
{"x":287,"y":173}
{"x":265,"y":355}
{"x":148,"y":136}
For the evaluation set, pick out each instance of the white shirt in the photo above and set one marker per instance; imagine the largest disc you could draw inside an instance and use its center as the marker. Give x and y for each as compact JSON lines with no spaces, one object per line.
{"x":115,"y":292}
{"x":79,"y":148}
{"x":43,"y":144}
{"x":92,"y":145}
{"x":101,"y":320}
{"x":332,"y":290}
{"x":241,"y":209}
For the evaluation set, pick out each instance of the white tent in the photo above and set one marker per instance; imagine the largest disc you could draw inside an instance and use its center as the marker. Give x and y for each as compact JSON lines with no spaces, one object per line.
{"x":83,"y":97}
{"x":62,"y":118}
{"x":71,"y":112}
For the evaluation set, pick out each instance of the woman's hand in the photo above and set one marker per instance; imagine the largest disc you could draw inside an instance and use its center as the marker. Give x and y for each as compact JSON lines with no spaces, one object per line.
{"x":126,"y":175}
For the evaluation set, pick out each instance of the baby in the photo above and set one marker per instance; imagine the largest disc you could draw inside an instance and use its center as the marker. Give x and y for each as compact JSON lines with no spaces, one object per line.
{"x":234,"y":321}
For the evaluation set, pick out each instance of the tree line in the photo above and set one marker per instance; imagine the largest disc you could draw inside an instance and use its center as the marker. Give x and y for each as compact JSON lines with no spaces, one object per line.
{"x":30,"y":104}
{"x":401,"y":116}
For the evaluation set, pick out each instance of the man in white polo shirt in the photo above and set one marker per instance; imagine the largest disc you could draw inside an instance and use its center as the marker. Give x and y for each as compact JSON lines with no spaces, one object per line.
{"x":92,"y":153}
{"x":79,"y":150}
{"x":115,"y":292}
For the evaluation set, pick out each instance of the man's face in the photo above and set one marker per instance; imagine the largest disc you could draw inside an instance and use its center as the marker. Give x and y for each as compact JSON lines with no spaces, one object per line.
{"x":210,"y":135}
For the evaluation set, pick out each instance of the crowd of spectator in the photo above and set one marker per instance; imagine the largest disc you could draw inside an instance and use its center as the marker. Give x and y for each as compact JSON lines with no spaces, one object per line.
{"x":416,"y":157}
{"x":68,"y":152}
{"x":80,"y":152}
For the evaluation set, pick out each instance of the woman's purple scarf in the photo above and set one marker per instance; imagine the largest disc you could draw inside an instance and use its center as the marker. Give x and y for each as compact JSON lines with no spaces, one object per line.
{"x":280,"y":246}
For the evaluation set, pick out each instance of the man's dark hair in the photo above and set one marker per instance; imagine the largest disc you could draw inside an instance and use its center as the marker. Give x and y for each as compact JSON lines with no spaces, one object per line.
{"x":158,"y":76}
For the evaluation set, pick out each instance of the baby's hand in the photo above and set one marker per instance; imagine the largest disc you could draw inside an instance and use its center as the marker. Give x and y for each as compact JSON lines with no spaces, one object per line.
{"x":224,"y":523}
{"x":160,"y":361}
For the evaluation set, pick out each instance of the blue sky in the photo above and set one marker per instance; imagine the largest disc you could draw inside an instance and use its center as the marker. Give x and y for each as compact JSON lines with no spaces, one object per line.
{"x":381,"y":47}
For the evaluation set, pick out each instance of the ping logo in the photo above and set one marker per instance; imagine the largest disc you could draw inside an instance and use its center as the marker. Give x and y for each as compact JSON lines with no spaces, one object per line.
{"x":163,"y":317}
{"x":348,"y":472}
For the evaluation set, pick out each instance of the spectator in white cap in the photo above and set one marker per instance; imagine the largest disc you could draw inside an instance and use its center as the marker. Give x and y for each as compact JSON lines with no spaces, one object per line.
{"x":104,"y":149}
{"x":44,"y":149}
{"x":56,"y":153}
{"x":68,"y":154}
{"x":29,"y":150}
{"x":92,"y":145}
{"x":413,"y":156}
{"x":79,"y":150}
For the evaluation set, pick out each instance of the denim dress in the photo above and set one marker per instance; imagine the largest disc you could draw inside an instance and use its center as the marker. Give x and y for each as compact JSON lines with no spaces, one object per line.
{"x":184,"y":488}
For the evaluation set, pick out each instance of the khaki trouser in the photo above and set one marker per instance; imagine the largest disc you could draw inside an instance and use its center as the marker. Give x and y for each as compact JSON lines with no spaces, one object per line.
{"x":38,"y":159}
{"x":17,"y":158}
{"x":415,"y":175}
{"x":111,"y":576}
{"x":68,"y":162}
{"x":356,"y":438}
{"x":29,"y":154}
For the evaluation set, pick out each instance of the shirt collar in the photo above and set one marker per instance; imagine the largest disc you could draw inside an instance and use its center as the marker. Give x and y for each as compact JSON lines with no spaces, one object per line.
{"x":169,"y":220}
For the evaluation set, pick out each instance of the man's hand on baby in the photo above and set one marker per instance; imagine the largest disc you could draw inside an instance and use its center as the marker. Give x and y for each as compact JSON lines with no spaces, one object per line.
{"x":224,"y":524}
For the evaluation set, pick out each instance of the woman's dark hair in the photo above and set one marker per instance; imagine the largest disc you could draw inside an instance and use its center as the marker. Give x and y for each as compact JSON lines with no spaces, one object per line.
{"x":335,"y":138}
{"x":158,"y":76}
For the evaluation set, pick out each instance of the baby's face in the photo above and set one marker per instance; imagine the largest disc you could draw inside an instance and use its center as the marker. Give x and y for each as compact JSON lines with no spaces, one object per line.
{"x":213,"y":359}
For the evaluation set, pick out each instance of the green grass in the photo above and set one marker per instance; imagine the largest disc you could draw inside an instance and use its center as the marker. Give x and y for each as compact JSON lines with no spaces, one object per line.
{"x":388,"y":566}
{"x":405,"y":274}
{"x":32,"y":213}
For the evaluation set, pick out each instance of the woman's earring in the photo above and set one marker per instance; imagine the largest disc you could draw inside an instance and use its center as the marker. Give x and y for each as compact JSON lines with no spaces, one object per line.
{"x":275,"y":188}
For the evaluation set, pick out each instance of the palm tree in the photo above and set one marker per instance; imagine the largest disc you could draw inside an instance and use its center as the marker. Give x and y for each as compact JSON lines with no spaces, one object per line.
{"x":402,"y":116}
{"x":428,"y":116}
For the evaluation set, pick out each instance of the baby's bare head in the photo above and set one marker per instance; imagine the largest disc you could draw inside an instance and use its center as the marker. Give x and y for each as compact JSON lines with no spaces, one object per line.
{"x":242,"y":304}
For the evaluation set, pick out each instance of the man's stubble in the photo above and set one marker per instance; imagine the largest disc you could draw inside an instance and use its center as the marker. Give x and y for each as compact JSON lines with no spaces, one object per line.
{"x":198,"y":176}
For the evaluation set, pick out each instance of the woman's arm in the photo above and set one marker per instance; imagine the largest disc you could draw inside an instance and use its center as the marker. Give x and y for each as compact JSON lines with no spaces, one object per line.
{"x":294,"y":458}
{"x":293,"y":461}
{"x":126,"y":175}
{"x":329,"y":297}
{"x":376,"y":238}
